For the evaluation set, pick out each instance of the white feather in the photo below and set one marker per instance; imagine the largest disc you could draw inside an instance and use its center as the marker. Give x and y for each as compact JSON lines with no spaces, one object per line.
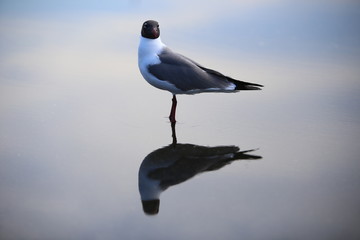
{"x":148,"y":54}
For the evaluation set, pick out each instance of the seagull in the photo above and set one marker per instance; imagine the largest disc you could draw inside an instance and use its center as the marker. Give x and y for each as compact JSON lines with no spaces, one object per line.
{"x":175,"y":164}
{"x":170,"y":71}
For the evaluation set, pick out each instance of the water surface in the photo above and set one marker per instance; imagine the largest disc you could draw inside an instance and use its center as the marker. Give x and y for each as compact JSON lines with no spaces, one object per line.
{"x":77,"y":121}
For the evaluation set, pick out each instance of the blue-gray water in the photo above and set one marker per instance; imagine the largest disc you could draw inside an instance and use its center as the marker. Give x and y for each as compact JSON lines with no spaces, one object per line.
{"x":77,"y":121}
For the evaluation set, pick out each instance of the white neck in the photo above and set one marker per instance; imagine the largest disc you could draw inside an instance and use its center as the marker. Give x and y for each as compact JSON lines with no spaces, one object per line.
{"x":150,"y":46}
{"x":149,"y":189}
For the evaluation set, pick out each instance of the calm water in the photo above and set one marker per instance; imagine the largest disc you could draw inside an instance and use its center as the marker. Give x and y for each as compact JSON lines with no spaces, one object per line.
{"x":80,"y":130}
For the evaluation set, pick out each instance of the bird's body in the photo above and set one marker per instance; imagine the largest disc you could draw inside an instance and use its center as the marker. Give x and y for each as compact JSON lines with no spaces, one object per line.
{"x":167,"y":70}
{"x":148,"y":55}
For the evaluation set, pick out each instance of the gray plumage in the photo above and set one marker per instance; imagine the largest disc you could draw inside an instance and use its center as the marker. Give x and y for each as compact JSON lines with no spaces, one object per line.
{"x":189,"y":76}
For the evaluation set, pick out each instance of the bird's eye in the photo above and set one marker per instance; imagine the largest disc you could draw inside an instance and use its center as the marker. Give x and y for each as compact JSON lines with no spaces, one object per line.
{"x":145,"y":25}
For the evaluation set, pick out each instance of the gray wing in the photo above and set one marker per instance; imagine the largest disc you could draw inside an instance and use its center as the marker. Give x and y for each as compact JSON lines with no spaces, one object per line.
{"x":186,"y":74}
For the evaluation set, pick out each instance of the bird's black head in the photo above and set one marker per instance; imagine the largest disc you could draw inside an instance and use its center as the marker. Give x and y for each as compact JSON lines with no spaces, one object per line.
{"x":151,"y":207}
{"x":150,"y":29}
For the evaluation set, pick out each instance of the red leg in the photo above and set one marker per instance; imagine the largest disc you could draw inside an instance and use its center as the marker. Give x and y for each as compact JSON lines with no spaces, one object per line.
{"x":173,"y":110}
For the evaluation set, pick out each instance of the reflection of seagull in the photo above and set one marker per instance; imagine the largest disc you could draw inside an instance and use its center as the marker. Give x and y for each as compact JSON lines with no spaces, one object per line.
{"x":177,"y":74}
{"x":177,"y":163}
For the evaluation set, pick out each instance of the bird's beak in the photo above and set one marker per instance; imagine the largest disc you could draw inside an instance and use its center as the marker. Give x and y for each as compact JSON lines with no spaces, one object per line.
{"x":155,"y":32}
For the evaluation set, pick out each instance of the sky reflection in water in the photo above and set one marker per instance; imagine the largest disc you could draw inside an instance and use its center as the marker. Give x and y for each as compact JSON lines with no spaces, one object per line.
{"x":77,"y":120}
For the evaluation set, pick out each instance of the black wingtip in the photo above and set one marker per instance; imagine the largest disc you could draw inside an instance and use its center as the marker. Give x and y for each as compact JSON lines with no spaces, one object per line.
{"x":240,"y":85}
{"x":251,"y":87}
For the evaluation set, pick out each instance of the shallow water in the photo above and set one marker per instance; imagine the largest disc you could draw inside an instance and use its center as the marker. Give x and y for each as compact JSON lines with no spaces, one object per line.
{"x":78,"y":121}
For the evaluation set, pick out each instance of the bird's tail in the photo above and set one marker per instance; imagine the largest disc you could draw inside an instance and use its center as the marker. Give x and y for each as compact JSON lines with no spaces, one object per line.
{"x":240,"y":85}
